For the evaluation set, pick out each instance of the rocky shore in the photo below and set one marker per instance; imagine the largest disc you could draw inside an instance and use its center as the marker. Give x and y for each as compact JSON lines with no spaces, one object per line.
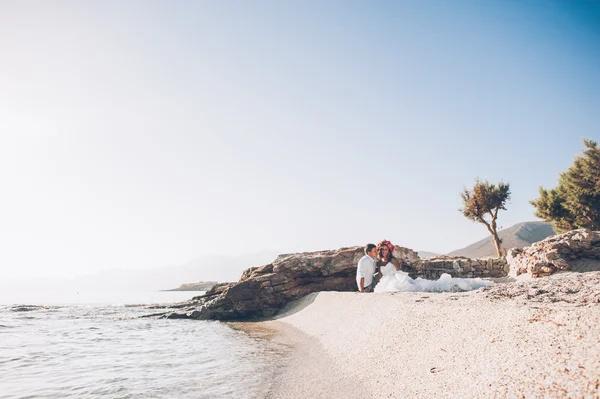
{"x":263,"y":291}
{"x":534,"y":333}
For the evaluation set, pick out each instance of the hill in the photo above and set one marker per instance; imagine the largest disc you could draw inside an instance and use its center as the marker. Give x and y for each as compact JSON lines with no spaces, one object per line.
{"x":518,"y":236}
{"x":208,"y":268}
{"x":199,"y":286}
{"x":426,"y":254}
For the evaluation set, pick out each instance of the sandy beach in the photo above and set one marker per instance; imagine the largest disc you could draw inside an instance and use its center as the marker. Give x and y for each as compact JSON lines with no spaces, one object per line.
{"x":538,"y":338}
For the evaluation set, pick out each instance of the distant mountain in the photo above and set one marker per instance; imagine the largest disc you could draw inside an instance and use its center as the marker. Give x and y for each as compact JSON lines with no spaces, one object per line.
{"x":199,"y":286}
{"x":426,"y":254}
{"x":220,"y":268}
{"x":518,"y":236}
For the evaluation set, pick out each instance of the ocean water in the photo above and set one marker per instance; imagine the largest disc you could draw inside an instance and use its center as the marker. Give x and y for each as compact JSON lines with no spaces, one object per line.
{"x":67,"y":345}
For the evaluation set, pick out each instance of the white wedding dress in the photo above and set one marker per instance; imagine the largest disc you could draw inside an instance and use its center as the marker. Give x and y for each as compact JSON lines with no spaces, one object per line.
{"x":393,"y":281}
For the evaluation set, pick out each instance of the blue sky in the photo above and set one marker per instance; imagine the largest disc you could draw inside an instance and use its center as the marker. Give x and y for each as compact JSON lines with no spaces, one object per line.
{"x":142,"y":134}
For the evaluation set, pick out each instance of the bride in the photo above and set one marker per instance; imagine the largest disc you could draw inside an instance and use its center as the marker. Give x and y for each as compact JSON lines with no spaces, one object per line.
{"x":394,"y":279}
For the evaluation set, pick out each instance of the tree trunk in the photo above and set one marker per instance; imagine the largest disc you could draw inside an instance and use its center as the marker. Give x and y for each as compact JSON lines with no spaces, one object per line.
{"x":499,"y":250}
{"x":492,"y":229}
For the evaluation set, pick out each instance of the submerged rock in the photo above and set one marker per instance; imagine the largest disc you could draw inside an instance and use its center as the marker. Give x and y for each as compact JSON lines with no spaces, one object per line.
{"x":176,"y":316}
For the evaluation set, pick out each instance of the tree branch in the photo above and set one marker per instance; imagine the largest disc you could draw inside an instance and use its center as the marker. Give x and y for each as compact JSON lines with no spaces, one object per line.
{"x":482,"y":220}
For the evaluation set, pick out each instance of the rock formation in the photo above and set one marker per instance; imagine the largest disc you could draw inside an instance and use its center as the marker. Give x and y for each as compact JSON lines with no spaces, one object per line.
{"x":554,"y":253}
{"x":263,"y":291}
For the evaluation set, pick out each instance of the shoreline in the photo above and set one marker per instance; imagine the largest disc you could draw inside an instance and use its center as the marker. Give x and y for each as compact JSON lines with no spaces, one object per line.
{"x":505,"y":342}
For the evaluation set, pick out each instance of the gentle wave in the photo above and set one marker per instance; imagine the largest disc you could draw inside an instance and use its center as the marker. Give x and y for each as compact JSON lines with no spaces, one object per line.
{"x":108,"y":351}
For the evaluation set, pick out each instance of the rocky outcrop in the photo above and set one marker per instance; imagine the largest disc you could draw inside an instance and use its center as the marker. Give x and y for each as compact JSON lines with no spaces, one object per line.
{"x":262,"y":291}
{"x":555,"y":253}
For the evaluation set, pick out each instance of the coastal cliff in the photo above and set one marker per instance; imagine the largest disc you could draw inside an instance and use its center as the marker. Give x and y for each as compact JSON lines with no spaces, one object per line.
{"x":262,"y":291}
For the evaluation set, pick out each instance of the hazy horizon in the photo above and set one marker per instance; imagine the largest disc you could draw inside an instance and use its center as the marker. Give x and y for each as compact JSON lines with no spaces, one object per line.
{"x":206,"y":268}
{"x":139,"y":135}
{"x":161,"y":277}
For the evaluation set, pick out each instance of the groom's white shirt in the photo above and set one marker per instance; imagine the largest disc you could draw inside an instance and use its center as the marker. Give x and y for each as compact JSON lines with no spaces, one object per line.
{"x":366,"y":270}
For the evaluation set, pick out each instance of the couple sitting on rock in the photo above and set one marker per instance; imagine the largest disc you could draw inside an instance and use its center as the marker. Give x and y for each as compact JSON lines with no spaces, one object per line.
{"x":380,"y":271}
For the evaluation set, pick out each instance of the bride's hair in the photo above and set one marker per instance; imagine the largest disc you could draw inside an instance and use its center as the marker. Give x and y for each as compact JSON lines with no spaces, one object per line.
{"x":389,"y":246}
{"x":389,"y":256}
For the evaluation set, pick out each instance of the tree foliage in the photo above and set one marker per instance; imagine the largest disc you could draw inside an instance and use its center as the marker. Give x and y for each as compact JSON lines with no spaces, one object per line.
{"x":575,"y":202}
{"x":482,"y":203}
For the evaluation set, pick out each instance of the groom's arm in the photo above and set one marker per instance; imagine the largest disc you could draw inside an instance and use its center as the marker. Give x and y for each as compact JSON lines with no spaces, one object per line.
{"x":360,"y":273}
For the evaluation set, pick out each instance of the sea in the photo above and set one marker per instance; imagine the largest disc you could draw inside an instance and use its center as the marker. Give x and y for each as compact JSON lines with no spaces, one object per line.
{"x":97,"y":345}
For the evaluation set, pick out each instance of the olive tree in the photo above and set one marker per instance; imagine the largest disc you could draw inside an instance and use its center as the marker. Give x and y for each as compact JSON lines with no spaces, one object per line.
{"x":482,"y":203}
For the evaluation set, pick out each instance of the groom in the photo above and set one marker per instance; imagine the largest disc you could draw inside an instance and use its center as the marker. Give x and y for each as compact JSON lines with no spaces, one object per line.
{"x":366,"y":269}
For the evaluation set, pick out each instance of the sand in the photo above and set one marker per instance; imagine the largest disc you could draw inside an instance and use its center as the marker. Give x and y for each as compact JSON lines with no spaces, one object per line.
{"x":513,"y":340}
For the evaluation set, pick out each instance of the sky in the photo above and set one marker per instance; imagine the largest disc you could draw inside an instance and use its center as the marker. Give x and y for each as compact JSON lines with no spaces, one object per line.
{"x":143,"y":134}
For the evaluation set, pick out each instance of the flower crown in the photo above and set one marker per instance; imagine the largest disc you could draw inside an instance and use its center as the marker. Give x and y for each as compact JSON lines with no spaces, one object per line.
{"x":387,"y":244}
